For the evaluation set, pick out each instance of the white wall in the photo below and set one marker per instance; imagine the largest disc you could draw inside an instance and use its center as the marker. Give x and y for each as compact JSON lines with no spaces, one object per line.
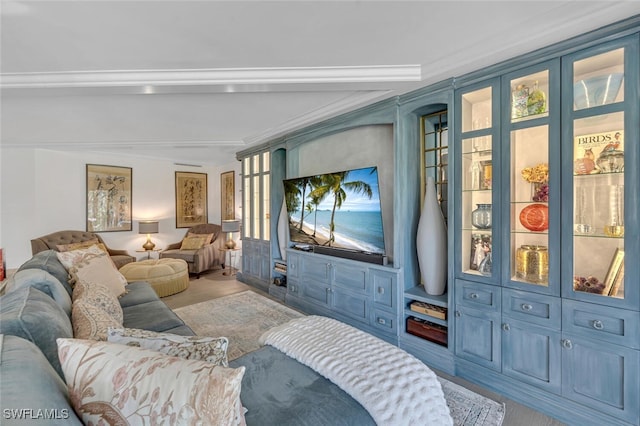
{"x":44,"y":191}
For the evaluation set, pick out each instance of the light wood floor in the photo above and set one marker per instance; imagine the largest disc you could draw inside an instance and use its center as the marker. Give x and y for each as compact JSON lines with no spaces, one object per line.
{"x":204,"y":289}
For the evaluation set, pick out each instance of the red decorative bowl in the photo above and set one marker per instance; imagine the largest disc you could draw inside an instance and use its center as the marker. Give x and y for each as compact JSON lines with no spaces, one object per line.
{"x":535,"y":217}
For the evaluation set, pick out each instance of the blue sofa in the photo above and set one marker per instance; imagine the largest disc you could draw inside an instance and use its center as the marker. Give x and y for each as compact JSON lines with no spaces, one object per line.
{"x":276,"y":389}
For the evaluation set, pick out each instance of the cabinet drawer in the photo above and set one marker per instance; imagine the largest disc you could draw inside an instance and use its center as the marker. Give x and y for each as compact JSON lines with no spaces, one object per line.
{"x":481,"y":296}
{"x":617,"y":326}
{"x":384,"y":321}
{"x":383,"y":287}
{"x":353,"y":278}
{"x":293,"y":288}
{"x":533,"y":308}
{"x":293,"y":262}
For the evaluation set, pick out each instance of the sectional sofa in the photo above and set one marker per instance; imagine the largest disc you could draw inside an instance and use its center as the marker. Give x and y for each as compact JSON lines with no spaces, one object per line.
{"x":276,"y":389}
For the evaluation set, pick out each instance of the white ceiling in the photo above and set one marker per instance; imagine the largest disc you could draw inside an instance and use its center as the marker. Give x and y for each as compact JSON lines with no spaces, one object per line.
{"x":197,"y":81}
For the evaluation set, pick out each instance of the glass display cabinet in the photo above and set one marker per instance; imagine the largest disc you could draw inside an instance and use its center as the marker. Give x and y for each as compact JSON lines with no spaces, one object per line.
{"x":476,"y":212}
{"x":532,"y":159}
{"x":544,"y":291}
{"x":598,"y":175}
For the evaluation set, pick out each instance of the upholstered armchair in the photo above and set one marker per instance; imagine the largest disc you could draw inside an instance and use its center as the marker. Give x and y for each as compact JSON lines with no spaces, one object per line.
{"x":200,"y":248}
{"x":59,"y":239}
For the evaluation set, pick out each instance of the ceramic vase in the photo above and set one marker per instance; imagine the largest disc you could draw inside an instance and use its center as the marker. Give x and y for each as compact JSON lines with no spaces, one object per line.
{"x":431,"y":243}
{"x":283,"y":231}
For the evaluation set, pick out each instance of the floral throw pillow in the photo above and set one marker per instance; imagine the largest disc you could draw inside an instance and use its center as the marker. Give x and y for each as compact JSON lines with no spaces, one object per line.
{"x":119,"y":384}
{"x":210,"y":349}
{"x":73,"y":257}
{"x":99,"y":297}
{"x":90,"y":321}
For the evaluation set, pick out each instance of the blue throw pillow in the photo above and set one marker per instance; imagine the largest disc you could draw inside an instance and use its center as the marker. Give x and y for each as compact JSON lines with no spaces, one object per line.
{"x":43,"y":281}
{"x":48,"y":261}
{"x":34,"y":316}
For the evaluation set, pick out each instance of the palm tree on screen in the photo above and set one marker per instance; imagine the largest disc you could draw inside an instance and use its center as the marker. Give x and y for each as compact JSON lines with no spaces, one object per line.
{"x":336,"y":184}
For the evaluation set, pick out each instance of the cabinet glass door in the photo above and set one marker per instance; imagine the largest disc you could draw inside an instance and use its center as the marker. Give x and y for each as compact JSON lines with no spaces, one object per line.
{"x":477,"y":182}
{"x":529,"y":173}
{"x":599,"y":175}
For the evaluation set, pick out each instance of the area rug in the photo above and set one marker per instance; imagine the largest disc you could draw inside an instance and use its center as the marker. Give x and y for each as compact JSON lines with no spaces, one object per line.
{"x":243,"y":317}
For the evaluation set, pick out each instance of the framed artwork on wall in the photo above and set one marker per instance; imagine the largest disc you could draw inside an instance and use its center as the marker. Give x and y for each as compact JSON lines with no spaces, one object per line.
{"x":108,"y":198}
{"x":191,"y":199}
{"x":227,"y":195}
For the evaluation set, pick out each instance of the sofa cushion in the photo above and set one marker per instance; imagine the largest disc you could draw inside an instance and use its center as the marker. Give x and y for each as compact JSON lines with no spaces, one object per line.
{"x":210,"y":349}
{"x":138,"y":292}
{"x":154,"y":316}
{"x":31,"y":387}
{"x":32,"y":315}
{"x":116,"y":384}
{"x":43,"y":281}
{"x":186,"y":255}
{"x":48,"y":261}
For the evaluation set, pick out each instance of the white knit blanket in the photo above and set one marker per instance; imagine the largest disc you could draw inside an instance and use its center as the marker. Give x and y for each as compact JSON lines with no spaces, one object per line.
{"x":395,"y":387}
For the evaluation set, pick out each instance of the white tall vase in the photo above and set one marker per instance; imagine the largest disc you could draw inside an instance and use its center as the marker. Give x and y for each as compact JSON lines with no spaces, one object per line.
{"x":431,"y":242}
{"x":283,"y":231}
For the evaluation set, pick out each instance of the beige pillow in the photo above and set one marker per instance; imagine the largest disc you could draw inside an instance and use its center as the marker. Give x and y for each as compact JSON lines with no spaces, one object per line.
{"x":100,"y":297}
{"x":207,"y":237}
{"x":118,"y":384}
{"x":192,"y":243}
{"x":71,"y":258}
{"x":210,"y":349}
{"x":99,"y":269}
{"x":91,"y":321}
{"x":84,"y":244}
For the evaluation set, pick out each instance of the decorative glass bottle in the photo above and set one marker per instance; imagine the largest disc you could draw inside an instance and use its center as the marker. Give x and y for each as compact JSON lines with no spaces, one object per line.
{"x":615,"y":223}
{"x":481,"y":216}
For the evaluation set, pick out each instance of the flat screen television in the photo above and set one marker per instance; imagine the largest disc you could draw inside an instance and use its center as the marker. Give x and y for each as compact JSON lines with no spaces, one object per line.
{"x":337,"y":213}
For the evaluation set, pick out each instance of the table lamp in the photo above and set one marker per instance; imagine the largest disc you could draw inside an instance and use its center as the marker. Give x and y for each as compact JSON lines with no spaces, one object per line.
{"x":230,"y":226}
{"x":148,"y":227}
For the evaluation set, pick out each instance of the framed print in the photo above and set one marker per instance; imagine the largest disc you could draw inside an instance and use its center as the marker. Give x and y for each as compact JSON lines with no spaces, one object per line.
{"x":227,"y":195}
{"x":191,"y":199}
{"x":108,"y":198}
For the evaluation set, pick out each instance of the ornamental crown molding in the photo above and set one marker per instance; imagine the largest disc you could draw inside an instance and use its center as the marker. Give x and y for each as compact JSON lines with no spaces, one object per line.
{"x":220,"y":76}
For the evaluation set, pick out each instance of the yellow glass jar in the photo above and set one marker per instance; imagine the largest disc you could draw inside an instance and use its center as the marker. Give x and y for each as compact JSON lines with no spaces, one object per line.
{"x":532,"y":264}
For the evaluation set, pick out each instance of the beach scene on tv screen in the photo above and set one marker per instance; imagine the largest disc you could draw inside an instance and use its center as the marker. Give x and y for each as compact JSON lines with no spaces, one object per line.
{"x":341,"y":210}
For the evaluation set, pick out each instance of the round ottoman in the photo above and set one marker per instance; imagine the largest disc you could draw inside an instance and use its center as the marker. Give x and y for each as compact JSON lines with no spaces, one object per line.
{"x":166,"y":276}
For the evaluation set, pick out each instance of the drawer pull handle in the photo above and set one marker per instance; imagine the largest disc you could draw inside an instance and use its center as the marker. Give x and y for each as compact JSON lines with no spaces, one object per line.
{"x":526,"y":307}
{"x":380,"y":290}
{"x":381,"y":321}
{"x":474,"y":295}
{"x":598,"y":325}
{"x":458,"y":313}
{"x":506,"y":327}
{"x":566,"y":343}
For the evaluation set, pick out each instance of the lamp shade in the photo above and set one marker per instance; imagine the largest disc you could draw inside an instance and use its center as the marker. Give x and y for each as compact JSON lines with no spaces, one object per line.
{"x":230,"y":226}
{"x":148,"y":227}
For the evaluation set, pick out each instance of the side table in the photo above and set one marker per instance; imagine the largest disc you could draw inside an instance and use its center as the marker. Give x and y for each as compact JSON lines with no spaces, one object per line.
{"x":229,"y":269}
{"x":149,"y":252}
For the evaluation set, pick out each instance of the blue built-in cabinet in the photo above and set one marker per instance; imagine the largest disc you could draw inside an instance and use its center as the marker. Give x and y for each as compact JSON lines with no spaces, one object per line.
{"x":543,"y":306}
{"x":550,"y":143}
